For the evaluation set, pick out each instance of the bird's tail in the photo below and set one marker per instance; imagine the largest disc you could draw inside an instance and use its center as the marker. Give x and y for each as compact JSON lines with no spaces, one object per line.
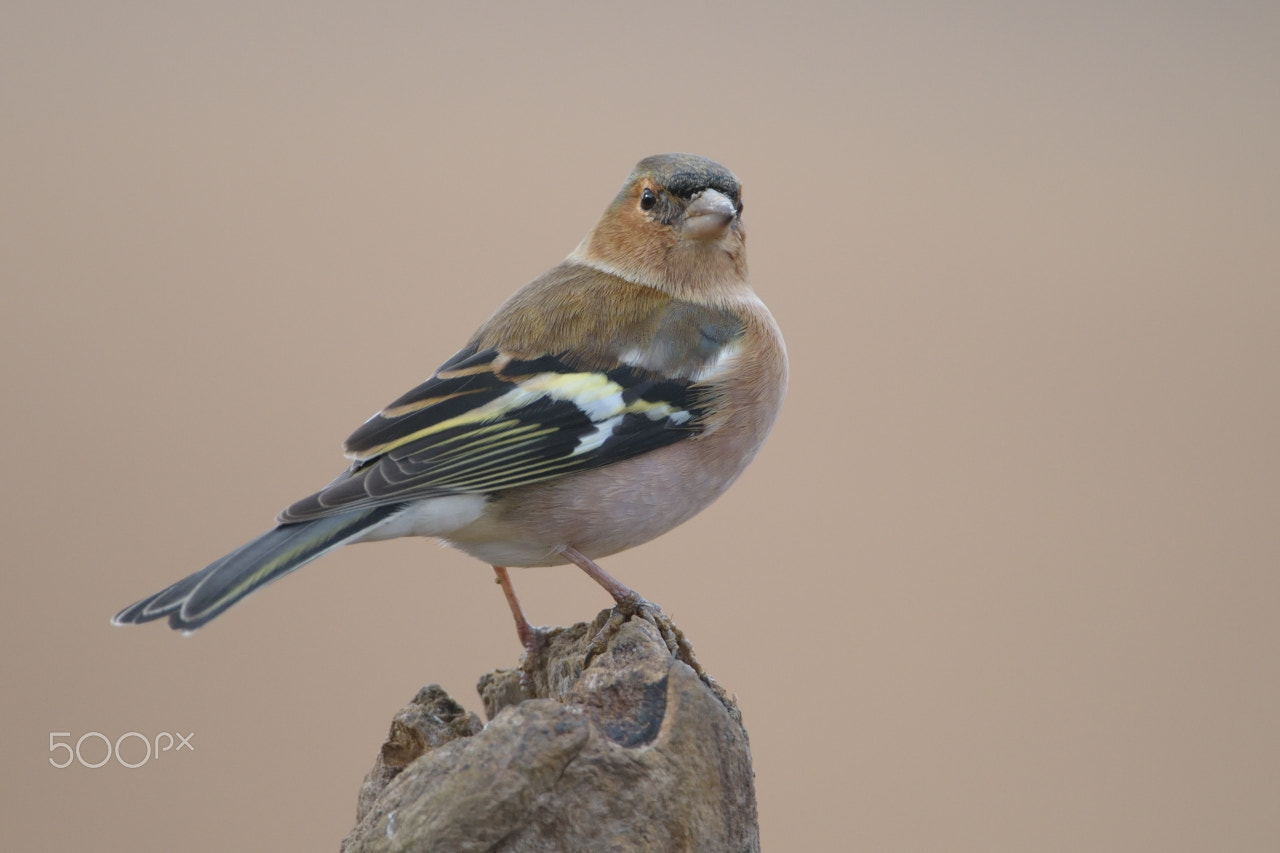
{"x":197,"y":598}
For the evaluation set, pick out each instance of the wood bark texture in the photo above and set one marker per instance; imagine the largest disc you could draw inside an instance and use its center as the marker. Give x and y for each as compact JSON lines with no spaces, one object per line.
{"x":631,"y":751}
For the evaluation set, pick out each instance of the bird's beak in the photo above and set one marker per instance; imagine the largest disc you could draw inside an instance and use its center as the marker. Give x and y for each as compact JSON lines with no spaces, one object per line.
{"x":709,"y":213}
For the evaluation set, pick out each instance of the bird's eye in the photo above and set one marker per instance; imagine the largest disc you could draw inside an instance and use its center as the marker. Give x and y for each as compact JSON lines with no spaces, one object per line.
{"x":647,"y":199}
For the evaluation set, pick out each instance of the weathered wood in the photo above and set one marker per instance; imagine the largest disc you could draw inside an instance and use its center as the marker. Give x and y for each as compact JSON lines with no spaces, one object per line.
{"x":632,"y":752}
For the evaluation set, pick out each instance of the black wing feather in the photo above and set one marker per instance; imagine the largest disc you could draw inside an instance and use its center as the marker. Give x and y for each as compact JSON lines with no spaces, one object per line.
{"x":487,"y":422}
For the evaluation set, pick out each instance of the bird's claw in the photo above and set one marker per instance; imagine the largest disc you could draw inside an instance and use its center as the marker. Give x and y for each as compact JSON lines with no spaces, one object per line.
{"x":635,"y":605}
{"x":535,"y":643}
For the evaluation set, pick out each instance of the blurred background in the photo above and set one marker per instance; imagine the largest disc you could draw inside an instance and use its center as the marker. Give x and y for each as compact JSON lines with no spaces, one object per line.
{"x":1005,"y":576}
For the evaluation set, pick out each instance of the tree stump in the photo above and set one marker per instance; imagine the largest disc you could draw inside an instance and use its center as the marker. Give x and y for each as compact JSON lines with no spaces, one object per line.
{"x":633,"y":751}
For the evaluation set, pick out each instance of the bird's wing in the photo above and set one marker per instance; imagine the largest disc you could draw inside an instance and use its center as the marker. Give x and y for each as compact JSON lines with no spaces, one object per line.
{"x":515,"y":408}
{"x":489,"y":421}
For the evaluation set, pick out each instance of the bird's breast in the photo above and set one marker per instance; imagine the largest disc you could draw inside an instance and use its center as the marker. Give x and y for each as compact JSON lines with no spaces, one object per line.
{"x":622,"y":505}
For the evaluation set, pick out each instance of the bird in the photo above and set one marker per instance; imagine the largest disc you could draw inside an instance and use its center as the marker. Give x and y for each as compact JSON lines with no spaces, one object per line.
{"x":604,"y":403}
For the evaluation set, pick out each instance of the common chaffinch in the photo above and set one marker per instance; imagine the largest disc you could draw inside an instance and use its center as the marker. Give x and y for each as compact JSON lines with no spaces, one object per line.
{"x":606,"y":402}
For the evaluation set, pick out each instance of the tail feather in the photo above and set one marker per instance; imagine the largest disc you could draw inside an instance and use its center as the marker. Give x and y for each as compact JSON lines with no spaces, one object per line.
{"x":201,"y":596}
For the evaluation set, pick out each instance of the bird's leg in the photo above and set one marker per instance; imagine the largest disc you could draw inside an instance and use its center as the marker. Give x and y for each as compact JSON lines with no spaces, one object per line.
{"x":530,"y":637}
{"x":626,"y":597}
{"x":631,"y":603}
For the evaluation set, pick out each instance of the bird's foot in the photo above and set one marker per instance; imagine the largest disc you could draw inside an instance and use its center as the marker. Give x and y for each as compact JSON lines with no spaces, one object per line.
{"x":630,"y":603}
{"x":635,"y":605}
{"x":534,"y":641}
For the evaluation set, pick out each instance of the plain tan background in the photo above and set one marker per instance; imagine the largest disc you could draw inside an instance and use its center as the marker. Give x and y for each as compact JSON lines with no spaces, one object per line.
{"x":1005,"y":577}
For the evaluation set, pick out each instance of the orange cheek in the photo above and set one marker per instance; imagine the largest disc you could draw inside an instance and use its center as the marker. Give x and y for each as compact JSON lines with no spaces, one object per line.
{"x":633,"y":238}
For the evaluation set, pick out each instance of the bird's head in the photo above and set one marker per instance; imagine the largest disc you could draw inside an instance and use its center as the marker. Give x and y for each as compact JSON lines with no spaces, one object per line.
{"x":676,"y":225}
